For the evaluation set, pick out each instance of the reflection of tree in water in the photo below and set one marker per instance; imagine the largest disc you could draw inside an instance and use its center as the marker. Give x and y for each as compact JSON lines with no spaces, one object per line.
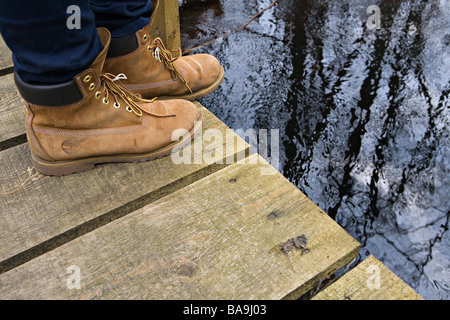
{"x":364,"y":116}
{"x":362,"y":94}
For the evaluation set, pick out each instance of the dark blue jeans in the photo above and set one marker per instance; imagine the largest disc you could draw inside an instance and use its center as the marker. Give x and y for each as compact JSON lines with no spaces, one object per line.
{"x":51,"y":45}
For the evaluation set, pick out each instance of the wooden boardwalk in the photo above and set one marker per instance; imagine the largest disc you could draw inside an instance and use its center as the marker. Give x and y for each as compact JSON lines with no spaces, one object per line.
{"x":370,"y":280}
{"x":157,"y":230}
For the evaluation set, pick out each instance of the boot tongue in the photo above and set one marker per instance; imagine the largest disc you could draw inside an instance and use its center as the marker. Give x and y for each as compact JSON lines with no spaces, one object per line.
{"x":105,"y":39}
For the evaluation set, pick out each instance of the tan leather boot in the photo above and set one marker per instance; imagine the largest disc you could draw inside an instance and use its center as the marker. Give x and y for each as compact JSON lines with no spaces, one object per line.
{"x":154,"y":71}
{"x":93,"y":119}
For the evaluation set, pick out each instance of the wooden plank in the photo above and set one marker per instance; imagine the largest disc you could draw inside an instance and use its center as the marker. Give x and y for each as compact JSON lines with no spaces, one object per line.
{"x":5,"y":55}
{"x":38,"y":212}
{"x":370,"y":280}
{"x":215,"y":239}
{"x":12,"y":109}
{"x":166,"y":23}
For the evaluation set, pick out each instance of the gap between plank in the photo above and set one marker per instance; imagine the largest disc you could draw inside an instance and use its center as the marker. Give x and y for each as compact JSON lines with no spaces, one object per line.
{"x":4,"y":72}
{"x":13,"y":142}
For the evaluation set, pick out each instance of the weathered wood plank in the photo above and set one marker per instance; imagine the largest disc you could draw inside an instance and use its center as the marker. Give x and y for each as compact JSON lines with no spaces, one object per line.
{"x":166,"y":23}
{"x":5,"y":55}
{"x":39,"y":212}
{"x":215,"y":239}
{"x":12,"y":109}
{"x":370,"y":280}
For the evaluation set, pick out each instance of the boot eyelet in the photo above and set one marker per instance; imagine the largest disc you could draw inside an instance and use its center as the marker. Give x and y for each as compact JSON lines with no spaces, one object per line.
{"x":128,"y":108}
{"x":116,"y":105}
{"x":105,"y":101}
{"x":145,"y":37}
{"x":87,"y":78}
{"x":149,"y":48}
{"x":91,"y":86}
{"x":97,"y":94}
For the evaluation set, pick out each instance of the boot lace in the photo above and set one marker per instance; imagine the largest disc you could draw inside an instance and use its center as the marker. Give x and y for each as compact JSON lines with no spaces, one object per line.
{"x":162,"y":54}
{"x":111,"y":86}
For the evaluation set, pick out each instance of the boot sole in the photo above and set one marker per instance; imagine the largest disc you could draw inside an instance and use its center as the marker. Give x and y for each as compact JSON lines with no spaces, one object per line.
{"x":198,"y":94}
{"x":62,"y":168}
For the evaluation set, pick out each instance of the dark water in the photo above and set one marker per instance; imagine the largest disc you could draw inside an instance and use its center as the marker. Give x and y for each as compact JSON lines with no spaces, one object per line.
{"x":363,"y":114}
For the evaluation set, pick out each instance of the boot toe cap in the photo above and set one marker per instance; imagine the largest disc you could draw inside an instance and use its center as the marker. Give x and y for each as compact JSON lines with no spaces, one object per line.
{"x":186,"y":113}
{"x":212,"y":69}
{"x":201,"y":71}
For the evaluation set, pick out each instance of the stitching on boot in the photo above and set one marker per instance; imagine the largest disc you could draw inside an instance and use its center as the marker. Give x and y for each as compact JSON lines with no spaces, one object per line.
{"x":33,"y":140}
{"x":90,"y":132}
{"x":62,"y":106}
{"x":151,"y":85}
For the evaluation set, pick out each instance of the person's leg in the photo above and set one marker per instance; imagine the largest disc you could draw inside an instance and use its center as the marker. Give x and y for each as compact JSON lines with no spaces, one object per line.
{"x":151,"y":70}
{"x":44,"y":49}
{"x":121,"y":17}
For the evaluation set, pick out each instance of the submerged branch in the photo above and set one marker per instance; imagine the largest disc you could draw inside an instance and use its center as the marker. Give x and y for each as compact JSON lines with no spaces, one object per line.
{"x":187,"y":51}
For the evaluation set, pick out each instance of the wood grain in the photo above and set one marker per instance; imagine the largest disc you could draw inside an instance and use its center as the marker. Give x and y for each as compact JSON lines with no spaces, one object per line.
{"x":370,"y":280}
{"x":12,"y":109}
{"x":39,"y":212}
{"x":166,"y":23}
{"x":5,"y":55}
{"x":217,"y":238}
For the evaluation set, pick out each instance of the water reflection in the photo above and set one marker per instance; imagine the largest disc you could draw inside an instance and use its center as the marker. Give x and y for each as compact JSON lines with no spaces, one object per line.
{"x":363,"y":114}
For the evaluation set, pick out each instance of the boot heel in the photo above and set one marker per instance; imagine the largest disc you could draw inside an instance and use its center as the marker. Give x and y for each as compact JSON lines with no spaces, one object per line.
{"x":60,"y":168}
